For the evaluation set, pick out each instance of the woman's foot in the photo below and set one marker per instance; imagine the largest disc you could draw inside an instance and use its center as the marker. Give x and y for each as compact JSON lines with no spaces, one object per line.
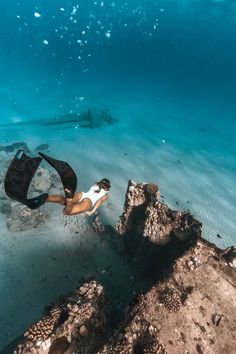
{"x":68,"y":192}
{"x":88,"y":213}
{"x":68,"y":206}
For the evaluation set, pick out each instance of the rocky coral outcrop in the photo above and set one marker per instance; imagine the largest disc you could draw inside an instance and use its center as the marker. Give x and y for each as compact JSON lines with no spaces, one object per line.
{"x":78,"y":323}
{"x":139,"y":336}
{"x":149,"y":227}
{"x":192,"y":311}
{"x":146,"y":216}
{"x":189,"y":309}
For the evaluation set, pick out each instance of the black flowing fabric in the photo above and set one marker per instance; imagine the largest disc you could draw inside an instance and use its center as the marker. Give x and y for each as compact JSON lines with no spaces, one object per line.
{"x":18,"y":178}
{"x":21,"y":171}
{"x":66,"y":173}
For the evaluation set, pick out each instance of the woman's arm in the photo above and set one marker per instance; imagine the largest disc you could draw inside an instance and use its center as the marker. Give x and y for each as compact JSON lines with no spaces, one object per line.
{"x":97,"y":205}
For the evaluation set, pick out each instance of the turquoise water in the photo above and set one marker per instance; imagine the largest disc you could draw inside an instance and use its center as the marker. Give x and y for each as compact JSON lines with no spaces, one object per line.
{"x":166,"y":70}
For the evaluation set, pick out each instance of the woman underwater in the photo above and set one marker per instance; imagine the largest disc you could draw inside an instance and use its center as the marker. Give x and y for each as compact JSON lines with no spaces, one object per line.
{"x":82,"y":202}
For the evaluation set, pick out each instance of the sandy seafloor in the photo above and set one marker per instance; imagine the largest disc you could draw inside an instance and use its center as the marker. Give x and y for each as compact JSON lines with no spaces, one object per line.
{"x":176,"y":127}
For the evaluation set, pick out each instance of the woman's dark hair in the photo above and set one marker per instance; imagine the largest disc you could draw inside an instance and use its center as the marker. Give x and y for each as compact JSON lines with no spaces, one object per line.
{"x":104,"y":183}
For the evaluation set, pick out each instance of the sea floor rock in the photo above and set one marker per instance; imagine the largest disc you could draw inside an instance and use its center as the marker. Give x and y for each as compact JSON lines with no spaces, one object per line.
{"x":149,"y":227}
{"x":145,"y":216}
{"x":41,"y":181}
{"x":189,"y":309}
{"x":21,"y":218}
{"x":192,"y":311}
{"x":15,"y":146}
{"x":78,"y":323}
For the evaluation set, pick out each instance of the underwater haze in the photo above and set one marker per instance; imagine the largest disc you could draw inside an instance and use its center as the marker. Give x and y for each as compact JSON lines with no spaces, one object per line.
{"x":165,"y":71}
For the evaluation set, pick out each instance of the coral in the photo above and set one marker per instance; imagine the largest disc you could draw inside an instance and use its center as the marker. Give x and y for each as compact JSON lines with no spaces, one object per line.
{"x":154,"y":219}
{"x":170,"y":299}
{"x":149,"y":345}
{"x":135,"y":196}
{"x":157,"y":225}
{"x":151,"y":188}
{"x":78,"y":321}
{"x":153,"y":324}
{"x":44,"y":328}
{"x":138,"y":337}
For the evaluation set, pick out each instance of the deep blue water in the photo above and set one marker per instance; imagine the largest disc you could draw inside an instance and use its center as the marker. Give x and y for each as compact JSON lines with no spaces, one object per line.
{"x":165,"y":69}
{"x":186,"y":47}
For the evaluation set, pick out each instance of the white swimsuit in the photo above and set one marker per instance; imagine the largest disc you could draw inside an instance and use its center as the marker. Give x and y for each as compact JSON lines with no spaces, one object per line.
{"x":93,"y":195}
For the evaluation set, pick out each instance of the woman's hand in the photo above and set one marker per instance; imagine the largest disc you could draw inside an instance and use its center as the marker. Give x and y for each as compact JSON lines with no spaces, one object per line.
{"x":97,"y":205}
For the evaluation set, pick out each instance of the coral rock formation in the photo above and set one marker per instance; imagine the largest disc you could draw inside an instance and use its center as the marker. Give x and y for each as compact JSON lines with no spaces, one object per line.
{"x":139,"y":336}
{"x":149,"y":227}
{"x":77,"y":323}
{"x":145,"y":215}
{"x":170,"y":299}
{"x":192,"y":311}
{"x":189,"y":309}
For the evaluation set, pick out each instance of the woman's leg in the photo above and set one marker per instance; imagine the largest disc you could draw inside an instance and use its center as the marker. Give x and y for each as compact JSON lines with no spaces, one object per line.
{"x":70,"y":202}
{"x":78,"y":208}
{"x":59,"y":199}
{"x":77,"y":197}
{"x":63,"y":200}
